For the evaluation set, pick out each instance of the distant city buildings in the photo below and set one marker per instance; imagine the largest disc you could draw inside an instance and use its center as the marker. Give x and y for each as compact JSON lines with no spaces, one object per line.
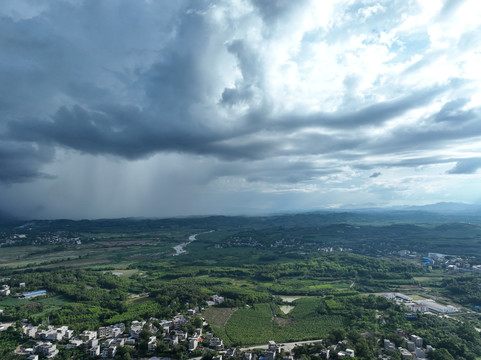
{"x":423,"y":305}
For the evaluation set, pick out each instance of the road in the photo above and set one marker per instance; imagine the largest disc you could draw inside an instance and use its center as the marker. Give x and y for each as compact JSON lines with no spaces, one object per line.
{"x":285,"y":346}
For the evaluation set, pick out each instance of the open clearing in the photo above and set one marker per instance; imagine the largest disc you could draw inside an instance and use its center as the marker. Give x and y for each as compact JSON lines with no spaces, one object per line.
{"x":125,"y":273}
{"x":289,"y":299}
{"x":286,"y":309}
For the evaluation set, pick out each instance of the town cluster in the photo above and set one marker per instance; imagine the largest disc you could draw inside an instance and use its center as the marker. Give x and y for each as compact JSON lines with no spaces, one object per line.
{"x":447,"y":262}
{"x":414,"y":347}
{"x":423,"y":305}
{"x":105,"y":342}
{"x":45,"y":238}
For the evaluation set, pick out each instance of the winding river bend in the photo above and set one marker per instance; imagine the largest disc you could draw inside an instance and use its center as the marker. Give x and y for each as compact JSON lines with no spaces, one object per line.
{"x":180,"y":249}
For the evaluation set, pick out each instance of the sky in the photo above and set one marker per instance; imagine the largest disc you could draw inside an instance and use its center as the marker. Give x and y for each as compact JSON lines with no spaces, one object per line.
{"x":120,"y":108}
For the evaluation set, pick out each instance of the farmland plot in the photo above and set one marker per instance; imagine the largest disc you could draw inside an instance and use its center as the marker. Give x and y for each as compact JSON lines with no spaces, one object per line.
{"x":263,"y":322}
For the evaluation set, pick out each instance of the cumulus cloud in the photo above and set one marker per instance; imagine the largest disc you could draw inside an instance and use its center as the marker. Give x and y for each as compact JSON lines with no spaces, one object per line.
{"x":287,"y":93}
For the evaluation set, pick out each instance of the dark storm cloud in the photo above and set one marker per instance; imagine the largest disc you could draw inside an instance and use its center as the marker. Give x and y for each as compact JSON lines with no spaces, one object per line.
{"x":130,"y":133}
{"x":133,"y":79}
{"x":21,"y":162}
{"x":63,"y":55}
{"x":113,"y":131}
{"x":173,"y":87}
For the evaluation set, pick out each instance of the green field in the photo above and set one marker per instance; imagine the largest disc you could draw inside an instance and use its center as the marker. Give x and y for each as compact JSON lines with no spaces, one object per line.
{"x":53,"y":300}
{"x":218,"y":316}
{"x":263,"y":322}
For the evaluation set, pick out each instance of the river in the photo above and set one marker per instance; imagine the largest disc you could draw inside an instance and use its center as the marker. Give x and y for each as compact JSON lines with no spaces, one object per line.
{"x":180,"y":249}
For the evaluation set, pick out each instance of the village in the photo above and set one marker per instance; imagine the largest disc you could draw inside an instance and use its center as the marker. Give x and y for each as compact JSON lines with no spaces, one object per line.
{"x":446,"y":262}
{"x":106,"y":341}
{"x":190,"y":334}
{"x":44,"y":238}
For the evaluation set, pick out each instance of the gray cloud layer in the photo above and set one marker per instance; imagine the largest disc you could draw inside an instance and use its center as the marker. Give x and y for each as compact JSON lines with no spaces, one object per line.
{"x":132,"y":79}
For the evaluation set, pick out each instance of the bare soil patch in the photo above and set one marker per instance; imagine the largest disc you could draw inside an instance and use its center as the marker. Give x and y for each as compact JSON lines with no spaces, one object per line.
{"x":286,"y":309}
{"x":289,"y":298}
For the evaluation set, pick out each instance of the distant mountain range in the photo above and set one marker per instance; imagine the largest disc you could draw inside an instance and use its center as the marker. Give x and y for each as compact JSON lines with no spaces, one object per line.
{"x":438,"y":208}
{"x":448,"y":208}
{"x":408,"y":213}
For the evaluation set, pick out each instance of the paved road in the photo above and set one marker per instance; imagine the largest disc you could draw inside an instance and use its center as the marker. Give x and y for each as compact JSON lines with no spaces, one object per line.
{"x":285,"y":346}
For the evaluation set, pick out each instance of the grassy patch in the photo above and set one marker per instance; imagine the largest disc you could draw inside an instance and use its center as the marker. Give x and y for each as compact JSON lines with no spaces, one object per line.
{"x":12,"y":302}
{"x":57,"y":300}
{"x":330,"y":286}
{"x":251,"y":325}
